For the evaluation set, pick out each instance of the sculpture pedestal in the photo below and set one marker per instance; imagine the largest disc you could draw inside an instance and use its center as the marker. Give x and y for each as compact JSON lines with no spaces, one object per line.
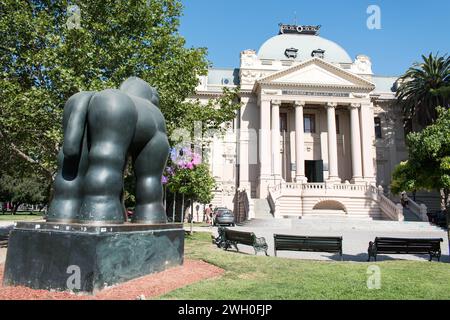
{"x":87,"y":258}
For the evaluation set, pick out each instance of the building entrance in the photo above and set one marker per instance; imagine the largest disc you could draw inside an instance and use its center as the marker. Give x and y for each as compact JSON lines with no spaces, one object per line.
{"x":314,"y":170}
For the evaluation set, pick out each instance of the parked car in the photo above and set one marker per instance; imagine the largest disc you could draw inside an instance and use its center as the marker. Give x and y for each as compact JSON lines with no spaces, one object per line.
{"x":219,"y":208}
{"x":224,"y":216}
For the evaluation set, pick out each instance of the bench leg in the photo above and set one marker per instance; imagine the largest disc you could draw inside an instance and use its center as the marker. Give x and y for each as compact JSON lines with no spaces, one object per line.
{"x":372,"y":254}
{"x":435,"y":254}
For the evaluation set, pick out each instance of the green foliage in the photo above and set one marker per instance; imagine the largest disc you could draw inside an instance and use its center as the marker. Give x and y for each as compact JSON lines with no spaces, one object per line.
{"x":196,"y":184}
{"x":247,"y":276}
{"x":214,"y":114}
{"x":420,"y":90}
{"x":43,"y":62}
{"x":403,"y":178}
{"x":17,"y":189}
{"x":428,"y":166}
{"x":443,"y":92}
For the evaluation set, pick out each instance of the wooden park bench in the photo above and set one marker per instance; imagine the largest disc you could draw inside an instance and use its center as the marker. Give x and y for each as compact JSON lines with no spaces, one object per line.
{"x":228,"y":238}
{"x":284,"y":242}
{"x":431,"y":246}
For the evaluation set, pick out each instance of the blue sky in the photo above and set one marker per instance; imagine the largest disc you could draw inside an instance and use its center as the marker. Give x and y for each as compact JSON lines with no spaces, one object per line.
{"x":408,"y":28}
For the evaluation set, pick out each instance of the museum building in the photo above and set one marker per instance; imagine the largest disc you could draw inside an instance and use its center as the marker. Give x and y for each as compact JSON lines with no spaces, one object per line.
{"x":317,"y":134}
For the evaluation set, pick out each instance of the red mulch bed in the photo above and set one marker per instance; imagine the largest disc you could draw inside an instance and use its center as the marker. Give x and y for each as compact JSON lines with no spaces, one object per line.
{"x":149,"y":286}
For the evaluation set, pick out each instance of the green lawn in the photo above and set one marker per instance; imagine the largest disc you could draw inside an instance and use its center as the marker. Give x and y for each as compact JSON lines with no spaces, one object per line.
{"x":20,"y":216}
{"x":260,"y":277}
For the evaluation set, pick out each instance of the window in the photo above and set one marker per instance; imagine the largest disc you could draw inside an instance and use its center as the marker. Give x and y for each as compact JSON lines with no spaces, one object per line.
{"x":319,"y":53}
{"x":337,"y":125}
{"x":309,"y":123}
{"x":377,"y":122}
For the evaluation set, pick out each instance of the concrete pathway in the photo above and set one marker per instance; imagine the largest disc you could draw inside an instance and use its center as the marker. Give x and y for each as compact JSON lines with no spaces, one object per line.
{"x":6,"y":223}
{"x":356,"y":236}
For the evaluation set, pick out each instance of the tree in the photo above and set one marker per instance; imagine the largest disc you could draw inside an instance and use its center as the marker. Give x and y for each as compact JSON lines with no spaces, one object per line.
{"x":18,"y":190}
{"x":428,"y":166}
{"x":46,"y":56}
{"x":186,"y":176}
{"x":420,"y":88}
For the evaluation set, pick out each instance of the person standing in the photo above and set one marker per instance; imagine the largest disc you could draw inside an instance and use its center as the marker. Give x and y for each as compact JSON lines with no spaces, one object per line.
{"x":208,"y":213}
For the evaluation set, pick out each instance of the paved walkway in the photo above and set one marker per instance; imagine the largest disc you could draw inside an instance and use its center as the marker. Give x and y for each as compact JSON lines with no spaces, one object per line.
{"x":356,"y":236}
{"x":6,"y":223}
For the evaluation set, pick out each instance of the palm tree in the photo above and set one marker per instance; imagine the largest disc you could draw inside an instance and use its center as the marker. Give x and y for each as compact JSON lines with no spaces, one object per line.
{"x":421,"y":86}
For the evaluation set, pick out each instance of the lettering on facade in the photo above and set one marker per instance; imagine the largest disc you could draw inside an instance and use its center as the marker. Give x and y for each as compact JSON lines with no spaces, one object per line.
{"x":315,"y":93}
{"x":289,"y":28}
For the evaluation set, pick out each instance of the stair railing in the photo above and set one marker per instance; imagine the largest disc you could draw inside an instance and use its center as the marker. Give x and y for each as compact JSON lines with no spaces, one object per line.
{"x":420,"y":210}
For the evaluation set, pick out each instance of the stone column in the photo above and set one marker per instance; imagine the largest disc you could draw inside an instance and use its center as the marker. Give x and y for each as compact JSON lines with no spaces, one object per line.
{"x":264,"y":148}
{"x":299,"y":142}
{"x":367,"y":137}
{"x":355,"y":142}
{"x":276,"y":156}
{"x":333,"y":175}
{"x":244,"y":158}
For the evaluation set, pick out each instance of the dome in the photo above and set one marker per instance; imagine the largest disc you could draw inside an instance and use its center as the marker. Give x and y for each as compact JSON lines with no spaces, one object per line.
{"x":275,"y":48}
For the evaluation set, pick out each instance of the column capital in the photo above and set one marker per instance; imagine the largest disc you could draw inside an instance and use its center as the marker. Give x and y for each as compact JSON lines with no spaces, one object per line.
{"x":276,"y":102}
{"x":331,"y":105}
{"x":355,"y":105}
{"x":299,"y":103}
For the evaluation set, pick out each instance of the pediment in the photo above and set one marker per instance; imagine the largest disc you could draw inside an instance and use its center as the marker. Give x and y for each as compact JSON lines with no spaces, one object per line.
{"x":317,"y":72}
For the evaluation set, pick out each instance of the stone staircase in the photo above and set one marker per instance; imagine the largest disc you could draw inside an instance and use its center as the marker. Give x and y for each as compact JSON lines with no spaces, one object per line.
{"x":410,"y":216}
{"x":262,"y":216}
{"x":342,"y":224}
{"x":262,"y":209}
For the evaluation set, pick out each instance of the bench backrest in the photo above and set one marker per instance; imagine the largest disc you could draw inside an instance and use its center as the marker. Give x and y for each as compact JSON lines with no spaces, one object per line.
{"x":420,"y":245}
{"x":307,"y":243}
{"x":247,"y":238}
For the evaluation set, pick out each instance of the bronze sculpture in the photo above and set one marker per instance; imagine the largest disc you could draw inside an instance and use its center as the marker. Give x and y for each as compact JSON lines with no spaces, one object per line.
{"x":85,"y":227}
{"x":100,"y":130}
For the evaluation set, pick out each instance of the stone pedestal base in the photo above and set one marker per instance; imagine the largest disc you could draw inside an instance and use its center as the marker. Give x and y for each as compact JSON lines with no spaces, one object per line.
{"x":86,"y":258}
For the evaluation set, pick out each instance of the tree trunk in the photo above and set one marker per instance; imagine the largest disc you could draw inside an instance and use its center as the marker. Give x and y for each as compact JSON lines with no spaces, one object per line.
{"x":174,"y":206}
{"x":192,"y":216}
{"x":15,"y":207}
{"x":16,"y":150}
{"x":182,"y":208}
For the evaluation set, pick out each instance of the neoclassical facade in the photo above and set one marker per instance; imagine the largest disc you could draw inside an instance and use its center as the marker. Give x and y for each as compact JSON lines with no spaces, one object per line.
{"x":317,"y":133}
